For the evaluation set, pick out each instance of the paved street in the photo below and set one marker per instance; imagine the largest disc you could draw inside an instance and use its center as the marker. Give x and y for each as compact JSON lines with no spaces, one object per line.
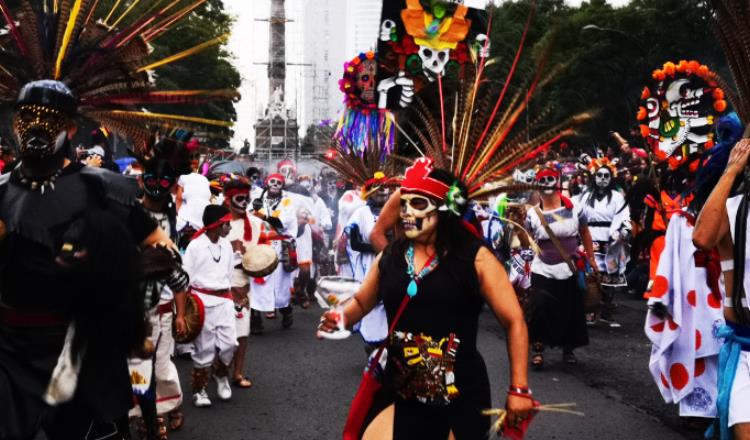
{"x":303,"y":386}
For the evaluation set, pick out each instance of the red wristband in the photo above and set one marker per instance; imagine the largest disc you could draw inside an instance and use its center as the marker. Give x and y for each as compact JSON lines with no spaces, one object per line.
{"x":524,"y":395}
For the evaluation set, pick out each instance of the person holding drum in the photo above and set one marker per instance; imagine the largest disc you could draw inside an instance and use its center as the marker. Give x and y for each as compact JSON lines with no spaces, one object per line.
{"x":245,"y":232}
{"x":209,"y":261}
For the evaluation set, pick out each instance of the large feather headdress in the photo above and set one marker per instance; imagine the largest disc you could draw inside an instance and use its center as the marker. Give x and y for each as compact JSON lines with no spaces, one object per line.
{"x":476,"y":135}
{"x":103,"y":61}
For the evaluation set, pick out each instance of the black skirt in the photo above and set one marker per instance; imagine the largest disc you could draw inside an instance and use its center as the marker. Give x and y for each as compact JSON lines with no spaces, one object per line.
{"x":555,"y":313}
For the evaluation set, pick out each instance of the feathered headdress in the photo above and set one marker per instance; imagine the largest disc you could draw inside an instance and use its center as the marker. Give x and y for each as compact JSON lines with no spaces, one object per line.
{"x":480,"y":142}
{"x":104,"y":63}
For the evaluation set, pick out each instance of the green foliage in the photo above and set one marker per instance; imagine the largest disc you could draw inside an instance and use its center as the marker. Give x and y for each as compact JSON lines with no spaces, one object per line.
{"x":609,"y":62}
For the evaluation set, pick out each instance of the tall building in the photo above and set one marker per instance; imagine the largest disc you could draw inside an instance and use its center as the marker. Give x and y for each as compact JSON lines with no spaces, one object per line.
{"x":363,"y":23}
{"x":334,"y":31}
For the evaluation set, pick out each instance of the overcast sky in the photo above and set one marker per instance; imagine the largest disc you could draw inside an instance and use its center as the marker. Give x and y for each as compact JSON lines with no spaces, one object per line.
{"x":249,"y":44}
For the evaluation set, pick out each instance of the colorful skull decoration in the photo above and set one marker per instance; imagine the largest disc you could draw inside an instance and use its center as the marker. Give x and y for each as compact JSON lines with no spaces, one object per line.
{"x":678,"y":112}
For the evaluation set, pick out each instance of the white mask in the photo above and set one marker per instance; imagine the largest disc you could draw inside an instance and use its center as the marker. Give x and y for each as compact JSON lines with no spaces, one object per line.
{"x":548,"y":181}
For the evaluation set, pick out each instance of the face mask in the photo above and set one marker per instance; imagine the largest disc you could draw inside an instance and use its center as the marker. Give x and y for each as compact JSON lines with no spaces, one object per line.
{"x":38,"y":128}
{"x":307,"y":184}
{"x":550,"y":182}
{"x":418,"y":215}
{"x":602,"y":178}
{"x":156,"y":186}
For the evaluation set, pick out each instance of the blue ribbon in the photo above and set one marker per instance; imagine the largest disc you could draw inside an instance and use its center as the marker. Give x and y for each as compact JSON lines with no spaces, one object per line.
{"x":729,"y":358}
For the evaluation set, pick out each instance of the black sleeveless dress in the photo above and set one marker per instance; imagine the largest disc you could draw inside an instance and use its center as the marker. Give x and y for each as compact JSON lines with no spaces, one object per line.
{"x":448,"y":301}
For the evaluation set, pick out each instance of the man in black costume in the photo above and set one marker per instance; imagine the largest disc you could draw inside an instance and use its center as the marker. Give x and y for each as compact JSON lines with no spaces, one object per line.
{"x":70,"y":307}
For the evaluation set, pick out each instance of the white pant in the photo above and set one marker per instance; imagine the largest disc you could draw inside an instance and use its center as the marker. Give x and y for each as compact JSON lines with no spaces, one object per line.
{"x":273,"y":293}
{"x":739,"y":400}
{"x":168,"y":390}
{"x":219,"y":332}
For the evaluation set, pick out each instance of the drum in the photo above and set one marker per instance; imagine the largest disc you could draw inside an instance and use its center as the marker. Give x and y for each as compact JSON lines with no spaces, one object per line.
{"x":260,"y":260}
{"x":195,"y":314}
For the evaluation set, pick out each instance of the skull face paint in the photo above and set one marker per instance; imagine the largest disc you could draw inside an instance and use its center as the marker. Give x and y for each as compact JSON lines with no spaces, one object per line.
{"x":602,"y":178}
{"x":366,"y":80}
{"x":418,"y":216}
{"x":275,"y":186}
{"x":238,"y":202}
{"x":548,"y":181}
{"x":37,"y":128}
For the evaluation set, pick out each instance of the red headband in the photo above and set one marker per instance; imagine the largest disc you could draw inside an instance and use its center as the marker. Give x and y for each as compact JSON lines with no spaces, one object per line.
{"x":226,"y":219}
{"x":547,"y":172}
{"x":276,"y":176}
{"x":416,"y":180}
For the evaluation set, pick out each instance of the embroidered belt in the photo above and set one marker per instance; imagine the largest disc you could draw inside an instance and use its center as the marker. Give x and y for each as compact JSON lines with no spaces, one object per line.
{"x":22,"y":318}
{"x":222,"y":293}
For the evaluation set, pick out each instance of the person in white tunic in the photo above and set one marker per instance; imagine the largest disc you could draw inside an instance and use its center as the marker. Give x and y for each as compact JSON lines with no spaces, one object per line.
{"x":209,"y":261}
{"x":374,"y":326}
{"x":608,"y":218}
{"x":245,"y":231}
{"x":272,"y":292}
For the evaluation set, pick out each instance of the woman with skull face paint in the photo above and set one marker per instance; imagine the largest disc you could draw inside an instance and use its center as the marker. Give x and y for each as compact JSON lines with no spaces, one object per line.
{"x":447,"y":275}
{"x":556,"y":315}
{"x":609,"y":222}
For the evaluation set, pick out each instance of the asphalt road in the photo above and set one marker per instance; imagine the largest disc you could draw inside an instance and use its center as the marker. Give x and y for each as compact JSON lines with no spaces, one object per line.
{"x":303,"y":387}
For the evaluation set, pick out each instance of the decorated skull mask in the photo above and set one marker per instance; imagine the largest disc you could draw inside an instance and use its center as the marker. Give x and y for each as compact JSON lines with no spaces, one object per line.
{"x":418,"y":215}
{"x":433,"y":61}
{"x":275,"y":184}
{"x":549,"y":179}
{"x":366,"y":80}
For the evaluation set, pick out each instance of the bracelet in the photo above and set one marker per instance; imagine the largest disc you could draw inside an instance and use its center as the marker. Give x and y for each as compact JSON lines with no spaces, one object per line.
{"x":514,"y":390}
{"x":524,"y":395}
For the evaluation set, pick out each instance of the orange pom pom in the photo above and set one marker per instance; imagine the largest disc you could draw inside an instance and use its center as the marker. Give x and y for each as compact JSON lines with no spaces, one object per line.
{"x":682,"y":66}
{"x":703,"y":70}
{"x":646,"y":93}
{"x":718,"y":94}
{"x":645,"y":131}
{"x":370,"y":55}
{"x":720,"y":105}
{"x":659,"y":75}
{"x":693,"y":66}
{"x":641,"y":113}
{"x":669,"y":68}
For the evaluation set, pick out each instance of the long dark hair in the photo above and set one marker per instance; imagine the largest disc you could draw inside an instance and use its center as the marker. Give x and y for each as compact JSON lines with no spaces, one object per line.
{"x":740,"y":243}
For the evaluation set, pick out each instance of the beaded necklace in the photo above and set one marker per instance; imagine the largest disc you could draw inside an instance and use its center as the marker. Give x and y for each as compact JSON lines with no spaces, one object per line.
{"x":429,"y":266}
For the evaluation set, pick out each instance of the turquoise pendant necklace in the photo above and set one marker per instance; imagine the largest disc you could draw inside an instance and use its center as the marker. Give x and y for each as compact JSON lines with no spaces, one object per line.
{"x":431,"y":264}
